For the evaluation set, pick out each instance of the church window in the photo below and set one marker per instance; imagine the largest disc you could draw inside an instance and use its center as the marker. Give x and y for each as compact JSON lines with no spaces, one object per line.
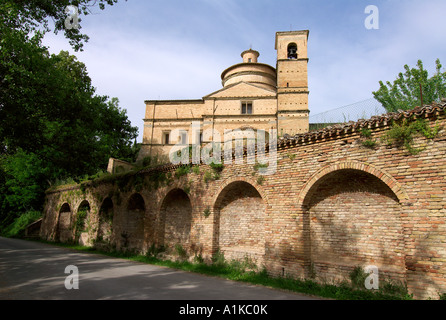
{"x":166,"y":137}
{"x":246,"y":107}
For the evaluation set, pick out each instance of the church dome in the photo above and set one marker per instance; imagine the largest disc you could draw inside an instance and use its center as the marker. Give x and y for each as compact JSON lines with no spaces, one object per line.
{"x":250,"y":71}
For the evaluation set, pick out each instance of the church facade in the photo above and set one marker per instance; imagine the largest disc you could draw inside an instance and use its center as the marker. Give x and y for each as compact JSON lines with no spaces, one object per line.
{"x":253,"y":96}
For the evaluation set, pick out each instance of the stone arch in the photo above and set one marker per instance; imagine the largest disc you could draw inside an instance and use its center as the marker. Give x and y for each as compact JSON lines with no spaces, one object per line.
{"x":352,"y":216}
{"x":248,"y":180}
{"x":84,"y":205}
{"x":361,"y":166}
{"x":81,"y":222}
{"x":132,"y":235}
{"x":63,"y":230}
{"x":239,"y":221}
{"x":105,"y":223}
{"x":175,"y":219}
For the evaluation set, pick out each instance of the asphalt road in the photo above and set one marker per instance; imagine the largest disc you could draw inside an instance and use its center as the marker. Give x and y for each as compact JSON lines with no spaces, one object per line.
{"x":36,"y":271}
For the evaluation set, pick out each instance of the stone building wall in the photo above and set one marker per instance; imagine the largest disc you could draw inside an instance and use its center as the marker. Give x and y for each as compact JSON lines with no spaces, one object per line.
{"x":333,"y":204}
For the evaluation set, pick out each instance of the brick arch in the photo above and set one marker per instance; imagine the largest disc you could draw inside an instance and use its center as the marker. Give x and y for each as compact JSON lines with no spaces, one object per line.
{"x":132,"y":233}
{"x":63,"y":225}
{"x":239,"y":211}
{"x":175,"y":215}
{"x":136,"y":202}
{"x":83,"y":204}
{"x":83,"y":214}
{"x":161,"y":201}
{"x":386,"y":178}
{"x":92,"y":203}
{"x":105,"y":220}
{"x":353,"y":214}
{"x":65,"y":207}
{"x":248,"y":180}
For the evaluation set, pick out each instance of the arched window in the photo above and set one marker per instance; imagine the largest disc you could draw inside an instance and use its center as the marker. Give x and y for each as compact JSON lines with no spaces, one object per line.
{"x":292,"y":51}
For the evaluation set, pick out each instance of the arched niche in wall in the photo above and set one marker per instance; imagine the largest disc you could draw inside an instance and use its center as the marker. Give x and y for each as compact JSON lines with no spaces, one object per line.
{"x":63,"y":232}
{"x":81,"y":222}
{"x":132,"y":235}
{"x":105,"y":224}
{"x":239,"y":215}
{"x":352,"y":218}
{"x":176,"y":219}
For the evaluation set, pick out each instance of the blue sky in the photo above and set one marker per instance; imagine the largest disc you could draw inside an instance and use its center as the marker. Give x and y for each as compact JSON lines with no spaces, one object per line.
{"x":171,"y":49}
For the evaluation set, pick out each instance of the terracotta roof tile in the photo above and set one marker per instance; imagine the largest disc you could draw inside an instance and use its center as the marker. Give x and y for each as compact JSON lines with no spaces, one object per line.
{"x":338,"y":129}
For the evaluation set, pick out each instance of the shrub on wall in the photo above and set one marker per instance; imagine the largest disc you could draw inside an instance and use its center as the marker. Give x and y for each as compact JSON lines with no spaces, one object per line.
{"x":402,"y":134}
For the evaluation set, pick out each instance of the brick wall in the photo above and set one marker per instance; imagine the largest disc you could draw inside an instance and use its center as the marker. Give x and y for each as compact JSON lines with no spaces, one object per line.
{"x":240,"y":214}
{"x":353,"y":216}
{"x":176,"y":219}
{"x":332,"y":205}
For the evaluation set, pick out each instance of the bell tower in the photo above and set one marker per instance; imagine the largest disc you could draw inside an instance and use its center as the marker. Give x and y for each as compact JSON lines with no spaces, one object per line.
{"x":292,"y":82}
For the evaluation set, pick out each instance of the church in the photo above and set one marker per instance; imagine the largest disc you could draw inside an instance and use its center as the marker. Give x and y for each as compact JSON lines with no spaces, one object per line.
{"x":253,"y":96}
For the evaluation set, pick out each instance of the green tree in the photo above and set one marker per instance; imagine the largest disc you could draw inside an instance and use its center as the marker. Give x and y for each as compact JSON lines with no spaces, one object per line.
{"x":52,"y":123}
{"x":48,"y":107}
{"x":32,"y":15}
{"x":405,"y":93}
{"x":117,"y":132}
{"x":22,"y":185}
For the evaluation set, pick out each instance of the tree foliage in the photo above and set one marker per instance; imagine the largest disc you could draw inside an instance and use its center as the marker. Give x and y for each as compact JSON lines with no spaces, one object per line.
{"x":31,"y":15}
{"x":53,"y":125}
{"x":48,"y":107}
{"x":405,"y":94}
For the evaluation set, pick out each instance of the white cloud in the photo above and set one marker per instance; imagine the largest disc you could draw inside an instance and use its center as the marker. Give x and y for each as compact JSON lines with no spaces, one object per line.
{"x":144,"y":67}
